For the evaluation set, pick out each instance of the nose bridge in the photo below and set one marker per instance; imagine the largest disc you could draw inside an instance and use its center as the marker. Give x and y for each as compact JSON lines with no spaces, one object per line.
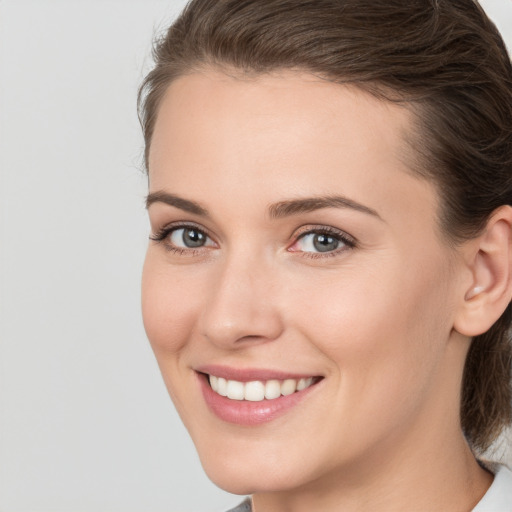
{"x":241,"y":303}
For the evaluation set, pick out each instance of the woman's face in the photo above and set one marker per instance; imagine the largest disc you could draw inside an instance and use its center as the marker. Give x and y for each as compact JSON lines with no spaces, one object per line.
{"x":295,"y":256}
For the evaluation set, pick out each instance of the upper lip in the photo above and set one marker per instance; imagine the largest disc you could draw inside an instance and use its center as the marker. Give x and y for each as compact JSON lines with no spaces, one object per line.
{"x":250,"y":374}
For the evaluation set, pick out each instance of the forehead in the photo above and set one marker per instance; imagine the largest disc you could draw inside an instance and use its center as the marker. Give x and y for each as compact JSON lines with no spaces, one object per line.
{"x":293,"y":132}
{"x":295,"y":106}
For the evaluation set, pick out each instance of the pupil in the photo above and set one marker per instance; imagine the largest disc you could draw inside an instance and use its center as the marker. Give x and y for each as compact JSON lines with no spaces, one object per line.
{"x":325,"y":243}
{"x":193,"y":238}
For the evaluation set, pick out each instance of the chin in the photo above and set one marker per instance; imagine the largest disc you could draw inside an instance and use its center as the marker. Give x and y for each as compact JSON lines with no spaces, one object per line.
{"x":249,"y":480}
{"x":234,"y":482}
{"x":249,"y":469}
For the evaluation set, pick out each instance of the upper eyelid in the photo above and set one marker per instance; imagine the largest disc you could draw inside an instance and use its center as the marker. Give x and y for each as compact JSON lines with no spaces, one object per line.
{"x":319,"y":228}
{"x":172,"y":226}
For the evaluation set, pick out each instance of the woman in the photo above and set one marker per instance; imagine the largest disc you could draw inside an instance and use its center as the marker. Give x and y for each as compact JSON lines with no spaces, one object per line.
{"x":328,"y":280}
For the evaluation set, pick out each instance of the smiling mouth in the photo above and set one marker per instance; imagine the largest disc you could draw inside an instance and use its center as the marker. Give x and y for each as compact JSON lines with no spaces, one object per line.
{"x":258,"y":390}
{"x":251,"y":397}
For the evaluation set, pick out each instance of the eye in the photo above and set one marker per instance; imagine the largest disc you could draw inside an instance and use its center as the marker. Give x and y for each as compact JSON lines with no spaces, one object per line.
{"x":189,"y":238}
{"x":183,"y":238}
{"x":322,"y":241}
{"x":318,"y":242}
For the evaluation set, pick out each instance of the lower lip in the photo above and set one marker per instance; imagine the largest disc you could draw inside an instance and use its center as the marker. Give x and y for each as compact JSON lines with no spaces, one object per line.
{"x":245,"y":412}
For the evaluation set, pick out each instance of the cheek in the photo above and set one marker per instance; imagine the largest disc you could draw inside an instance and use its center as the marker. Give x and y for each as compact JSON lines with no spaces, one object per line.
{"x":372,"y":308}
{"x":384,"y":332}
{"x":169,"y":304}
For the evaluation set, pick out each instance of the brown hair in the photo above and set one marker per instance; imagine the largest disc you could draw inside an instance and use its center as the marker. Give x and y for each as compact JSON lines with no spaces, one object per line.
{"x":444,"y":59}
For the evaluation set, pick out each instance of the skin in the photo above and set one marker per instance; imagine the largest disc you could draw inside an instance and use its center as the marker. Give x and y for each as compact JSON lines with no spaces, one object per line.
{"x":386,"y":323}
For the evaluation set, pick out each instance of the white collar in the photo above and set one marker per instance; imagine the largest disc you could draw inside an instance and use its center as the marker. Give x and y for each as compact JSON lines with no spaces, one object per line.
{"x":499,"y":496}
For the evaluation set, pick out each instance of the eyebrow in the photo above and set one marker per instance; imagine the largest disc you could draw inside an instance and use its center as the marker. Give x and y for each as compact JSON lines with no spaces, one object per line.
{"x":276,"y":211}
{"x":310,"y":204}
{"x":178,"y":202}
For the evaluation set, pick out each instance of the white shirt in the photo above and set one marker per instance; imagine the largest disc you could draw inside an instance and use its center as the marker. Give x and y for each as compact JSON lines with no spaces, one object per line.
{"x":499,"y":496}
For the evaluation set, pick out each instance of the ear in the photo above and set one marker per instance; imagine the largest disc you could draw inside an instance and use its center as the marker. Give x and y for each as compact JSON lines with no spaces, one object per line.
{"x":489,"y":259}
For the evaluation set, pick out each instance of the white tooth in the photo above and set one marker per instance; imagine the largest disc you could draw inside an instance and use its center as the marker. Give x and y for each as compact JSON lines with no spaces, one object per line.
{"x":301,"y":384}
{"x":272,"y":389}
{"x":214,"y":383}
{"x":309,"y":381}
{"x":254,"y":391}
{"x":235,"y":390}
{"x":288,"y":387}
{"x":222,"y":386}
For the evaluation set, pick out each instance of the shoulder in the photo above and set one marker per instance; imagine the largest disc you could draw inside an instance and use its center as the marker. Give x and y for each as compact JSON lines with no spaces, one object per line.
{"x":245,"y":506}
{"x":499,"y":496}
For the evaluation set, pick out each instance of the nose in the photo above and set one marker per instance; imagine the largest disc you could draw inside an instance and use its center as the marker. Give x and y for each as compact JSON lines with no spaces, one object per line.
{"x":242,"y":305}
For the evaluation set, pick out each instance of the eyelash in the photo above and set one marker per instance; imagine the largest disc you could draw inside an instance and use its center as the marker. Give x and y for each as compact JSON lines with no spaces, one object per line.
{"x":162,"y":234}
{"x":348,"y":241}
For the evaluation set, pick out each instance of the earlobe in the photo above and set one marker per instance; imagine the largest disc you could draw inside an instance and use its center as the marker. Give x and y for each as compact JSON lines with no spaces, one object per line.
{"x":490,"y":262}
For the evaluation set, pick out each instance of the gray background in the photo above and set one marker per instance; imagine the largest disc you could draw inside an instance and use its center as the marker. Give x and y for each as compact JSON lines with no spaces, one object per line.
{"x":85,"y":421}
